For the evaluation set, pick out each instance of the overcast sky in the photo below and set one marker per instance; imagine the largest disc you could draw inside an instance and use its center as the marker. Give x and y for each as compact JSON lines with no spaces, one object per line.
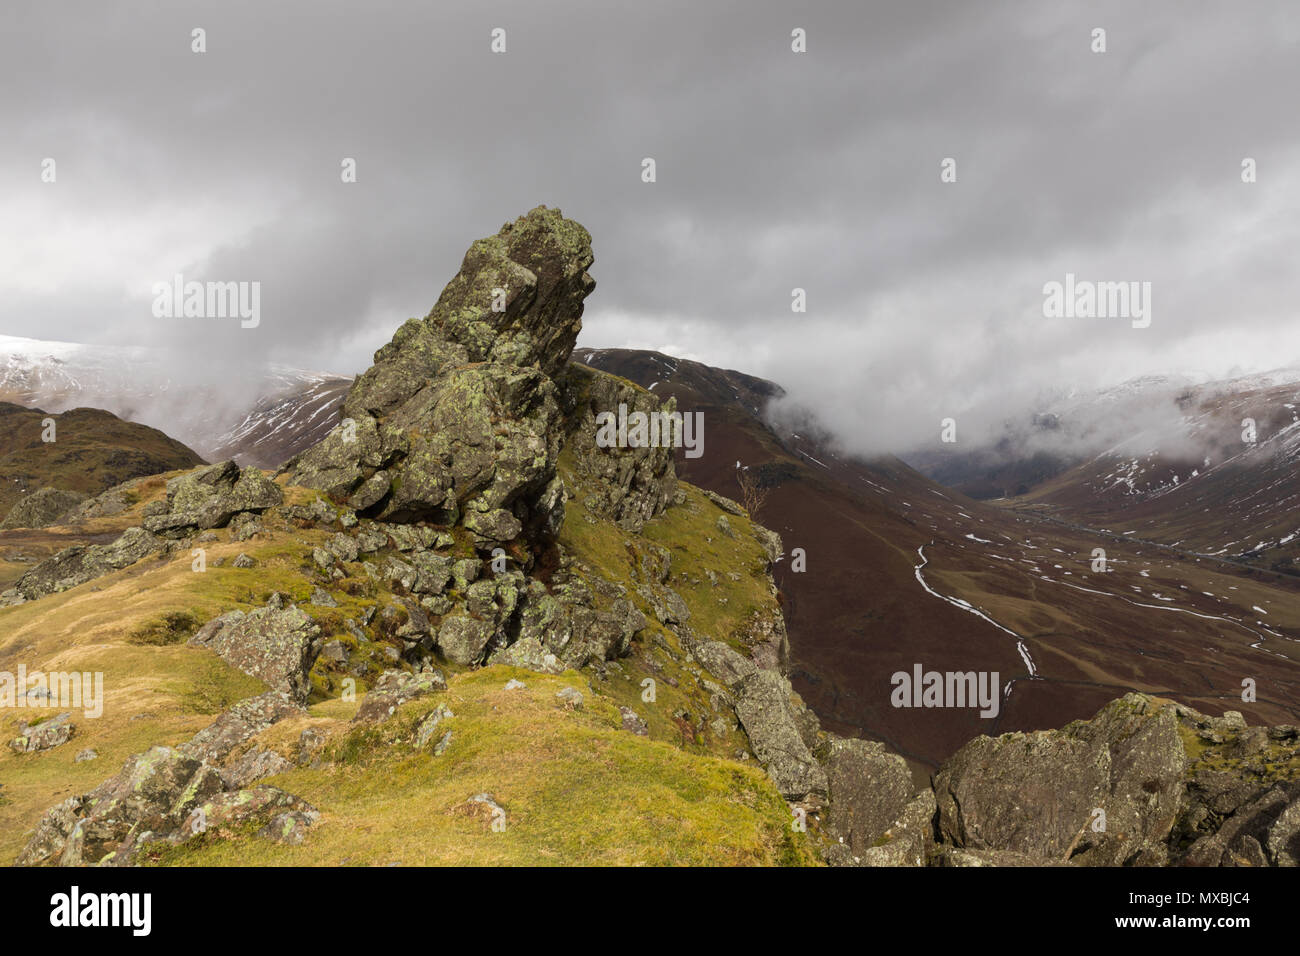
{"x":775,"y":170}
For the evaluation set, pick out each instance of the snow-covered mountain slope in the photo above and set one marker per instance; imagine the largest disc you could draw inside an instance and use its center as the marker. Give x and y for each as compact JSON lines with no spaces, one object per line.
{"x":283,"y":425}
{"x":1224,"y":482}
{"x":260,"y":419}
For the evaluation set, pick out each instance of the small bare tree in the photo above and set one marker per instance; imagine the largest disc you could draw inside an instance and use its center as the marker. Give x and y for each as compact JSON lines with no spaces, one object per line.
{"x":752,"y":494}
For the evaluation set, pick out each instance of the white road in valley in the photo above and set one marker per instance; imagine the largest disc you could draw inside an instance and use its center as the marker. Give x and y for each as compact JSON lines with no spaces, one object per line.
{"x":970,"y":609}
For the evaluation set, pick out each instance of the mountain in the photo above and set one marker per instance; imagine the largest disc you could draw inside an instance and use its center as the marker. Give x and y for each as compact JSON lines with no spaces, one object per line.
{"x":284,"y":424}
{"x":289,"y":407}
{"x":1203,"y":488}
{"x":84,"y":451}
{"x":1066,"y":428}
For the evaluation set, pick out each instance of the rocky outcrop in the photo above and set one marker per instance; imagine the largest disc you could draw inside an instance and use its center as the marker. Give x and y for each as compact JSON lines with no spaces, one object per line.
{"x":1105,"y":790}
{"x":277,"y":644}
{"x":82,"y":563}
{"x":238,"y":724}
{"x":209,"y":498}
{"x":167,"y":795}
{"x":395,"y":688}
{"x":1029,"y":793}
{"x":869,"y":791}
{"x":1145,"y":782}
{"x":106,"y":504}
{"x":765,"y":708}
{"x":41,"y":508}
{"x":635,"y":483}
{"x":458,"y":420}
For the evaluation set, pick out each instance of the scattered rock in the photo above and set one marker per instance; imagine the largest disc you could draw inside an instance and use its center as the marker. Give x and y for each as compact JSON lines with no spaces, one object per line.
{"x":571,"y":698}
{"x":424,"y":733}
{"x":44,"y":735}
{"x":275,"y":644}
{"x":395,"y":688}
{"x":322,"y":598}
{"x":633,"y":723}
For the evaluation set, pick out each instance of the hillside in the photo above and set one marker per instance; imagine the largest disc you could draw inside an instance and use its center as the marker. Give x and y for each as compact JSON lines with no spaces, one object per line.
{"x":91,"y":451}
{"x":901,"y":570}
{"x":1204,"y":489}
{"x":271,"y":407}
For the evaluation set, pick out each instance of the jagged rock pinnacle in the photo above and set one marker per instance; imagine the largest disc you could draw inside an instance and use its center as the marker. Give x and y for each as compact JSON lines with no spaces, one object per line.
{"x":458,"y":420}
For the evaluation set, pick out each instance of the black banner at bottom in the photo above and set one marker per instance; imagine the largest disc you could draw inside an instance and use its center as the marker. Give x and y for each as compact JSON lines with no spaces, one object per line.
{"x":148,"y":905}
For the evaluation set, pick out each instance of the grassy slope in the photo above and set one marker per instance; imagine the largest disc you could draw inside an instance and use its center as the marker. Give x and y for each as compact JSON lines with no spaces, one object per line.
{"x":575,"y":787}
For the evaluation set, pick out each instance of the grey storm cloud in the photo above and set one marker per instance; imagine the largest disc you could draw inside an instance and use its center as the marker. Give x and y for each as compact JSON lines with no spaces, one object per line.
{"x":775,"y":170}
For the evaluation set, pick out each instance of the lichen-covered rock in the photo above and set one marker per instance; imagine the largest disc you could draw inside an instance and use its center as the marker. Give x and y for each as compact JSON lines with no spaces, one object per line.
{"x":949,"y":856}
{"x":260,"y":804}
{"x":868,"y":789}
{"x":429,"y":726}
{"x":52,"y":832}
{"x":157,"y":791}
{"x":44,"y":735}
{"x":666,"y":604}
{"x":771,"y":542}
{"x":458,"y":420}
{"x":634,"y":483}
{"x":530,"y":654}
{"x":290,"y":827}
{"x":1147,"y":768}
{"x":251,"y":767}
{"x":276,"y":644}
{"x":1240,"y":839}
{"x":1028,"y":793}
{"x":724,"y":663}
{"x":631,"y":722}
{"x":1283,"y":841}
{"x":764,"y":708}
{"x":395,"y":688}
{"x":210,"y":497}
{"x":41,"y":508}
{"x":463,"y":640}
{"x":106,"y":504}
{"x":240,"y":723}
{"x":82,"y":563}
{"x":909,"y":840}
{"x":571,"y":698}
{"x":1102,"y":792}
{"x":86,"y":829}
{"x":723,"y":502}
